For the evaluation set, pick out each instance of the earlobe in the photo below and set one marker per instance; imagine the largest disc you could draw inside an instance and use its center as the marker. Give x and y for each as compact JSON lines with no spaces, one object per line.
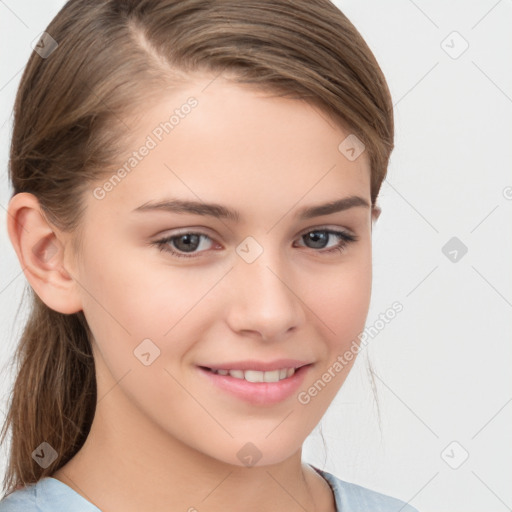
{"x":41,"y":254}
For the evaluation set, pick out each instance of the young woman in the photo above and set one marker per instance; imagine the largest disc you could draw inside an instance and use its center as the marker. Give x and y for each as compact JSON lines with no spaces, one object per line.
{"x":195,"y":184}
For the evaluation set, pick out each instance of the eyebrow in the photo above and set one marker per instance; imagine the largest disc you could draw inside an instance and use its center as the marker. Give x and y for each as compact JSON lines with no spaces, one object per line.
{"x":219,"y":211}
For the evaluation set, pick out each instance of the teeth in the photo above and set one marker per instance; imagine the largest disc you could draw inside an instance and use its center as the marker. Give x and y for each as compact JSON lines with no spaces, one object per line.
{"x":239,"y":374}
{"x":256,"y":376}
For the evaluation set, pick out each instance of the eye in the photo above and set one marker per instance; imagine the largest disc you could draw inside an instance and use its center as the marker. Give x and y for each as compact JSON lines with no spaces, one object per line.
{"x":184,"y":242}
{"x":319,"y":237}
{"x":186,"y":245}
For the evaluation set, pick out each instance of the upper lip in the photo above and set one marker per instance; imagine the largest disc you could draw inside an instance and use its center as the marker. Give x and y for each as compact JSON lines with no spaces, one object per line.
{"x":261,"y":366}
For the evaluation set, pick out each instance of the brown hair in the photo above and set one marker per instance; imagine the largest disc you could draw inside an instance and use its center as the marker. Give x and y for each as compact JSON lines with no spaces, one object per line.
{"x":112,"y":57}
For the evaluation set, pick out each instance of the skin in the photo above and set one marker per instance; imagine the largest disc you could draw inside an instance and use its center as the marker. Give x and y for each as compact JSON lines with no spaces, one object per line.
{"x":163,"y":439}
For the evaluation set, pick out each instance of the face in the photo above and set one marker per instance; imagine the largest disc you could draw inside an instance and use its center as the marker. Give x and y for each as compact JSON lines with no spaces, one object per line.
{"x":168,"y":291}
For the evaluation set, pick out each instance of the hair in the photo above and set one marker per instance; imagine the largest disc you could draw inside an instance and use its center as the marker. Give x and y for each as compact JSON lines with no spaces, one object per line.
{"x":112,"y":58}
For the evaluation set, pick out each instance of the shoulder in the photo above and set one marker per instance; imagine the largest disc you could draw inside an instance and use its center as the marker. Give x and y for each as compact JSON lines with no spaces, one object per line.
{"x":356,"y":498}
{"x":46,"y":495}
{"x":20,"y":500}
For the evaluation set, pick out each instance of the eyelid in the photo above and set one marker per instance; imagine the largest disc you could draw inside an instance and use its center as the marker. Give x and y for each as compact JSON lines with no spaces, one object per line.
{"x":324,"y":227}
{"x":202,"y":230}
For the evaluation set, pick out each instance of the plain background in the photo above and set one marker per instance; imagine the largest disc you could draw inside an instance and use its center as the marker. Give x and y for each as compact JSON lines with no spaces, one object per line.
{"x":443,"y":363}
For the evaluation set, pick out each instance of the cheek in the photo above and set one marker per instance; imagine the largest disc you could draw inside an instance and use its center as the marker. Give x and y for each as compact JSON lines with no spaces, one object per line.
{"x":133,"y":310}
{"x":340,"y":298}
{"x":339,"y":306}
{"x":126,"y":302}
{"x":138,"y":296}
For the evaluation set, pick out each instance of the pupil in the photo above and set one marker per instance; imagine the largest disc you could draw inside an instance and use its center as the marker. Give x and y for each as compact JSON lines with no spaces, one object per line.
{"x":190,"y":240}
{"x":318,"y":236}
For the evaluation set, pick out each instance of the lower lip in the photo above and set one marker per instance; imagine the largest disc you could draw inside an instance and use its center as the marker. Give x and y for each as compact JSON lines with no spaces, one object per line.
{"x":259,"y":393}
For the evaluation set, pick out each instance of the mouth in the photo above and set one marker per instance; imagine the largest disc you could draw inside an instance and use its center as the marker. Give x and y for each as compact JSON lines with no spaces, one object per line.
{"x":256,"y":375}
{"x":257,"y":387}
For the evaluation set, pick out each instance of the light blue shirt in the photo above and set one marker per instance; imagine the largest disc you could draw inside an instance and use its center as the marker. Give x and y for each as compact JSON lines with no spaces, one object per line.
{"x":52,"y":495}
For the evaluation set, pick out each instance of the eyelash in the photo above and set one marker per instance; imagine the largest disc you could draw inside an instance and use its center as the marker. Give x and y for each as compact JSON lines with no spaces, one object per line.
{"x":345,"y":239}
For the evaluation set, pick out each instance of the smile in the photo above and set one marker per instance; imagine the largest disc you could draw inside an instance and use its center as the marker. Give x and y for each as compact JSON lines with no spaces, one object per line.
{"x":257,"y":376}
{"x":258,"y":387}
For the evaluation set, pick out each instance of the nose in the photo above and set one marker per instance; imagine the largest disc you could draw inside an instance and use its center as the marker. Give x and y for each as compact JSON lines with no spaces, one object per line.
{"x":264,"y":299}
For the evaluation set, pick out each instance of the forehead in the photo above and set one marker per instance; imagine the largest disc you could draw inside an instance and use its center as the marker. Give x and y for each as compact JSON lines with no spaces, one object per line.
{"x":224,"y":142}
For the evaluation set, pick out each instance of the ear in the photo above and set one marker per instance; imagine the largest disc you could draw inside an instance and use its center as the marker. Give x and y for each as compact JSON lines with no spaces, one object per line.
{"x":41,"y":254}
{"x":376,"y":211}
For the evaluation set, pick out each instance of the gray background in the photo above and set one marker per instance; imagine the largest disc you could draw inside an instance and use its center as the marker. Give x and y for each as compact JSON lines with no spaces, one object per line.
{"x":443,"y":363}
